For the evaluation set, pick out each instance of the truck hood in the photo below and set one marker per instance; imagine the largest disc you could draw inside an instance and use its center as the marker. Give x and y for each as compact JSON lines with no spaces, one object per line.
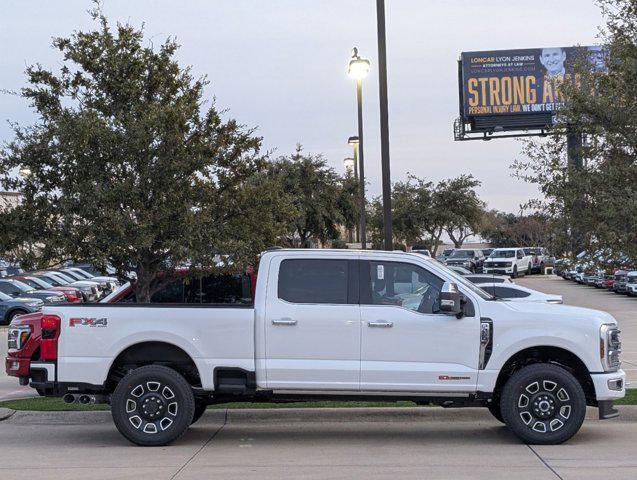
{"x":561,"y":313}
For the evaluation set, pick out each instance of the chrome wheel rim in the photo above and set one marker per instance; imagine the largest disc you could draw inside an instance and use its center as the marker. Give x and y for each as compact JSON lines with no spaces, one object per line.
{"x":544,"y":406}
{"x":151,"y":407}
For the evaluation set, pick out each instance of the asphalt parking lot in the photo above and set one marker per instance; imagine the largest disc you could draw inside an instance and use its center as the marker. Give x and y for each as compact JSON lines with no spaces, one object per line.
{"x":411,"y":443}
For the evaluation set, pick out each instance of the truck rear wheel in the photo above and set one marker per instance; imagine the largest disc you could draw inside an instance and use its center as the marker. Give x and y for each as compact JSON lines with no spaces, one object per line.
{"x":152,"y":405}
{"x":200,"y":409}
{"x":543,"y":404}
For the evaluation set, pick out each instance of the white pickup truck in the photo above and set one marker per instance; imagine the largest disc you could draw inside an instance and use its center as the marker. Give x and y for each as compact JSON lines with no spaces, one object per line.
{"x":508,"y":261}
{"x":340,"y":324}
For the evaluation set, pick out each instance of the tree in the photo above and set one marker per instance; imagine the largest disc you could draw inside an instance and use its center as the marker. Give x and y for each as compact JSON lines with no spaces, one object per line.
{"x":129,"y":168}
{"x":502,"y":230}
{"x":597,"y":204}
{"x":321,"y":201}
{"x":463,"y":209}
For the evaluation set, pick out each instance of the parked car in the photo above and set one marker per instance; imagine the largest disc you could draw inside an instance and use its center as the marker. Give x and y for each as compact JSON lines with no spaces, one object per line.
{"x":12,"y":307}
{"x":538,"y":256}
{"x":106,"y":284}
{"x":518,"y":293}
{"x":621,"y":279}
{"x":561,"y":266}
{"x":609,"y":282}
{"x":508,"y":261}
{"x":72,"y":294}
{"x":335,"y":324}
{"x":90,"y":290}
{"x":485,"y":278}
{"x":17,"y":289}
{"x":631,"y":283}
{"x":468,"y":258}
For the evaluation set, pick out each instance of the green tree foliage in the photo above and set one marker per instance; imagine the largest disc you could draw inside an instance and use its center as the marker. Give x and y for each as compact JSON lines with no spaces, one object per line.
{"x":422,"y":211}
{"x":599,"y":202}
{"x":129,"y":167}
{"x":503,"y":230}
{"x":321,"y":201}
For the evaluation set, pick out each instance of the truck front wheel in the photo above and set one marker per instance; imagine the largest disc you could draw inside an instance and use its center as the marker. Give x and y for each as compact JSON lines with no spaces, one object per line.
{"x":152,"y":405}
{"x":543,"y":404}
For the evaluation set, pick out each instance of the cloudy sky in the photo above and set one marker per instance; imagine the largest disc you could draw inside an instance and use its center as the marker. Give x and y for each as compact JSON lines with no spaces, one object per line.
{"x":280,"y":65}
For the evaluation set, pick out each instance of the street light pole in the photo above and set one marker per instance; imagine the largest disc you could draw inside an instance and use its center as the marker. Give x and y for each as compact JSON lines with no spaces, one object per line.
{"x":359,"y":69}
{"x":353,"y":141}
{"x":384,"y":124}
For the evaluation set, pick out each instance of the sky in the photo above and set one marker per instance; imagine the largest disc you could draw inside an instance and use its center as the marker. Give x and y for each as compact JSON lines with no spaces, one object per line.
{"x":280,"y":66}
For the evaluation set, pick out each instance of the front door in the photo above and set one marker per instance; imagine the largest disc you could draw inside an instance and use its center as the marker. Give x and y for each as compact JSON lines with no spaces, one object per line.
{"x":312,"y":325}
{"x":407,"y":344}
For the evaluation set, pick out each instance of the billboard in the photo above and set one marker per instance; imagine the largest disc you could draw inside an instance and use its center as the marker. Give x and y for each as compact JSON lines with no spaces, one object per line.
{"x":506,"y":90}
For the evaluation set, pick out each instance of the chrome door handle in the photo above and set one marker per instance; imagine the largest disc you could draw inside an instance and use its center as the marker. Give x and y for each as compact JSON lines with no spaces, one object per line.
{"x":284,"y":321}
{"x":380,"y":324}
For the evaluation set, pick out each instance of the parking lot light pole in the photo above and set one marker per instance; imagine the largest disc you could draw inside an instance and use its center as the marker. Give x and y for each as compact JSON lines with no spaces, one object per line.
{"x":358,"y":69}
{"x":353,"y":141}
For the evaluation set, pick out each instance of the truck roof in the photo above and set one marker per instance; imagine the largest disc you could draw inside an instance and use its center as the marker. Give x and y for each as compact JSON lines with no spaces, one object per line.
{"x":342,"y":251}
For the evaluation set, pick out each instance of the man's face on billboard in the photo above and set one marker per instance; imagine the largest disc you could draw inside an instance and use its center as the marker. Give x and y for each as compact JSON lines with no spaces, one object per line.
{"x":553,"y":60}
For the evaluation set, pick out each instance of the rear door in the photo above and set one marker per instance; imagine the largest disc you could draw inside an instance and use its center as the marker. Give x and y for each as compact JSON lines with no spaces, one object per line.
{"x":312,"y":324}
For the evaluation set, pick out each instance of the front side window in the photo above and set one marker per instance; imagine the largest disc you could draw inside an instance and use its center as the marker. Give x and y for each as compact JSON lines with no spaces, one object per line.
{"x":404,"y":285}
{"x":313,"y":281}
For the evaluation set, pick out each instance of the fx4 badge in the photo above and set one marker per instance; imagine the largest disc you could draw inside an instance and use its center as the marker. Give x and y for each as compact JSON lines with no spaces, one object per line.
{"x":88,"y":322}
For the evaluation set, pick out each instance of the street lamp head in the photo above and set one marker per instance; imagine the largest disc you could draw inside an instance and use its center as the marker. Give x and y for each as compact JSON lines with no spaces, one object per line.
{"x":353,"y":140}
{"x":358,"y":67}
{"x":349,"y":163}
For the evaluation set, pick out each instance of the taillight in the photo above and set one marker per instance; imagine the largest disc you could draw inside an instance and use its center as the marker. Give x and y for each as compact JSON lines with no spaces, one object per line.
{"x":50,"y":333}
{"x":71,"y":297}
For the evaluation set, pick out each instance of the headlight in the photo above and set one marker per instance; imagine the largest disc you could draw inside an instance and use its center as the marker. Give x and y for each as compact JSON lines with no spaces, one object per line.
{"x":466,"y":264}
{"x":18,"y":336}
{"x":609,"y":347}
{"x":33,"y":304}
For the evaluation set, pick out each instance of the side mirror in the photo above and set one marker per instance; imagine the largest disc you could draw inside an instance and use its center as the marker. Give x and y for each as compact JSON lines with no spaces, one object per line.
{"x":450,"y":299}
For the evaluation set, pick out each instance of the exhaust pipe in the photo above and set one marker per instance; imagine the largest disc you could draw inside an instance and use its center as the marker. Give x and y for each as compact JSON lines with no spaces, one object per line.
{"x":69,"y":398}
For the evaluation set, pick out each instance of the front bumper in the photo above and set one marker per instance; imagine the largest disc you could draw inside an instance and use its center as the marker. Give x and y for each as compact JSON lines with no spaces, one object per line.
{"x":17,"y":366}
{"x":499,"y":271}
{"x":609,"y":386}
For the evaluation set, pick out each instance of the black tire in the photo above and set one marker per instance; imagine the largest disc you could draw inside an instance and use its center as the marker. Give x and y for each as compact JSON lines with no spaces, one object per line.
{"x":152,"y":395}
{"x":543,"y":404}
{"x":515,"y":272}
{"x":494,"y":408}
{"x":14,"y":314}
{"x":200,"y":409}
{"x":529,"y":270}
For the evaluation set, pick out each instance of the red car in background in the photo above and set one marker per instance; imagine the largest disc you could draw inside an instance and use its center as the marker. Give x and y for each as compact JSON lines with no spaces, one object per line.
{"x":72,"y":294}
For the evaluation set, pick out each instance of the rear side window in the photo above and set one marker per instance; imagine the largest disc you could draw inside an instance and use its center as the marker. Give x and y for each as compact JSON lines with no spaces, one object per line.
{"x":313,"y":281}
{"x":505,"y":292}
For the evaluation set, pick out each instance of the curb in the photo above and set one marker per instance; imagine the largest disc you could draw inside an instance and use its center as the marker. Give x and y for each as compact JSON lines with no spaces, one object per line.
{"x":6,"y":413}
{"x":627,"y":414}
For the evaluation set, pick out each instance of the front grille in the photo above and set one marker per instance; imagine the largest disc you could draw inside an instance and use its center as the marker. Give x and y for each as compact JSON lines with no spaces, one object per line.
{"x":497,"y":264}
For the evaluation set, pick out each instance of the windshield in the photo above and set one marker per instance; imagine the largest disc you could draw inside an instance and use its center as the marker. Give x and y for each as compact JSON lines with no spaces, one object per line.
{"x":461,"y":254}
{"x":4,"y":297}
{"x":529,"y":251}
{"x":57,"y":282}
{"x":37,"y":283}
{"x":23,"y":287}
{"x":63,"y":279}
{"x":460,"y":280}
{"x":502,"y":254}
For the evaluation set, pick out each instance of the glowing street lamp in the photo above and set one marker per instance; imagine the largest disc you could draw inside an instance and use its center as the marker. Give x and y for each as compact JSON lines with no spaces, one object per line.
{"x":358,"y":69}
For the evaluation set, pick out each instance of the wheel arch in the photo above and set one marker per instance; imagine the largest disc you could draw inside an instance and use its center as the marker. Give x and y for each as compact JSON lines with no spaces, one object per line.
{"x":152,"y":353}
{"x":548,"y":354}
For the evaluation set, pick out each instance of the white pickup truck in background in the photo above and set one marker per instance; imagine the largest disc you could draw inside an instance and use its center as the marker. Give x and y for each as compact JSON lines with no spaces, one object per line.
{"x":337,"y":324}
{"x":508,"y":261}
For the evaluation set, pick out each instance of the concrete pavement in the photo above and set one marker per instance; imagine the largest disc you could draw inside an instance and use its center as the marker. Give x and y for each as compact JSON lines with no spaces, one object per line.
{"x":622,"y":307}
{"x":321,"y":444}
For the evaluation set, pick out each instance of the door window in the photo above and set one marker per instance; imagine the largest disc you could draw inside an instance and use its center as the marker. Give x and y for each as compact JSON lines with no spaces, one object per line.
{"x":313,"y":281}
{"x":404,"y":285}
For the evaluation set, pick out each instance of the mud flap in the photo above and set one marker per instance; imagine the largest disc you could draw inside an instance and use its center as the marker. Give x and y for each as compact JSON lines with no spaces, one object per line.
{"x":606,"y":410}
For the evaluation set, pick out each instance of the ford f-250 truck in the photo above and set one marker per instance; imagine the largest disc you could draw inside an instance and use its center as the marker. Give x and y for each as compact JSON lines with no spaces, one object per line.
{"x":336,"y":324}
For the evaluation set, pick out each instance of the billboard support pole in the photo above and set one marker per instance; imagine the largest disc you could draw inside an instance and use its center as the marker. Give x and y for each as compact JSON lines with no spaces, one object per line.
{"x":384,"y":125}
{"x":575,"y":163}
